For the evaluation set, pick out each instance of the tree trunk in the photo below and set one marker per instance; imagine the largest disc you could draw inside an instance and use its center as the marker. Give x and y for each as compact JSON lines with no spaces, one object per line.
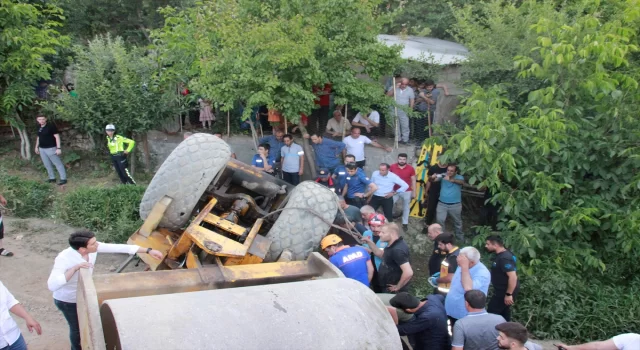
{"x":133,"y":159}
{"x":311,"y":160}
{"x":25,"y":144}
{"x":145,"y":151}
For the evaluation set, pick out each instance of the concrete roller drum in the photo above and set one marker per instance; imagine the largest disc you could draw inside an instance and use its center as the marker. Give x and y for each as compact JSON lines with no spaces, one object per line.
{"x":337,"y":313}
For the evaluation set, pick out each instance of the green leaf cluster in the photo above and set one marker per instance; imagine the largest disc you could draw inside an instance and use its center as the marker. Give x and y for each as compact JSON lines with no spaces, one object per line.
{"x":273,"y":53}
{"x":120,"y":85}
{"x":558,"y":147}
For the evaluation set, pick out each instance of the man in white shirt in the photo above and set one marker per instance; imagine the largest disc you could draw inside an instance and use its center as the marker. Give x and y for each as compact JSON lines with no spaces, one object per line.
{"x":336,"y":126}
{"x":355,"y":145}
{"x":626,"y":341}
{"x":81,"y":254}
{"x":10,"y":336}
{"x":383,"y":196}
{"x":369,"y":121}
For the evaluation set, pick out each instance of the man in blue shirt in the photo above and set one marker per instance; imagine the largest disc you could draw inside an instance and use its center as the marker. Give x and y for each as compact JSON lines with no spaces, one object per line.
{"x":275,"y":142}
{"x":358,"y":186}
{"x":354,"y":262}
{"x":383,"y":196}
{"x":450,"y":202}
{"x":471,"y":274}
{"x":340,"y":173}
{"x":427,"y":330}
{"x":261,"y":161}
{"x":292,"y":160}
{"x":327,"y":152}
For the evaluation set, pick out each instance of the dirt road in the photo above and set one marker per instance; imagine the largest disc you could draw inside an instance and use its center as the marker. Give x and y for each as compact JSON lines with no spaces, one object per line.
{"x":35,"y":243}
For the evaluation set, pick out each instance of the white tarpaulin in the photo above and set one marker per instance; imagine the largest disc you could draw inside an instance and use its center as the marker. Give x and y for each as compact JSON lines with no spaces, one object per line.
{"x":443,"y":52}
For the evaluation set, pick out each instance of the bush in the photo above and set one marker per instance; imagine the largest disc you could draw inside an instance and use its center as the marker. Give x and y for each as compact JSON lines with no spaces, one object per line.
{"x":26,"y":198}
{"x":113,"y":213}
{"x":555,"y":304}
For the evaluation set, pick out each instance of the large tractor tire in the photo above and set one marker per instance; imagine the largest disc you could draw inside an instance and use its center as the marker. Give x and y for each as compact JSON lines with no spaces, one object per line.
{"x":184,"y":176}
{"x":299,"y":230}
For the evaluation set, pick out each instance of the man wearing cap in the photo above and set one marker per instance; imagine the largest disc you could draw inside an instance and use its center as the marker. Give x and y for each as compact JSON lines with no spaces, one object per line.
{"x":116,"y":145}
{"x":376,"y":221}
{"x":383,"y":196}
{"x":395,"y":270}
{"x":427,"y":330}
{"x":292,"y":160}
{"x":324,"y":178}
{"x":327,"y":151}
{"x":354,"y":262}
{"x":358,"y":186}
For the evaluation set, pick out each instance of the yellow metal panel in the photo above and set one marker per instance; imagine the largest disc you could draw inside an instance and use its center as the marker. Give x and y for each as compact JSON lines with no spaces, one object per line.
{"x":428,"y":157}
{"x":215,"y":244}
{"x":156,"y":240}
{"x":192,"y":261}
{"x":225,"y":225}
{"x":153,"y":219}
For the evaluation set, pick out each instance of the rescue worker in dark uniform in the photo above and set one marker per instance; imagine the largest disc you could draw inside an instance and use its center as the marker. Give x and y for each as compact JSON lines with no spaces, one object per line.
{"x":442,"y":280}
{"x":324,"y":178}
{"x":116,"y":144}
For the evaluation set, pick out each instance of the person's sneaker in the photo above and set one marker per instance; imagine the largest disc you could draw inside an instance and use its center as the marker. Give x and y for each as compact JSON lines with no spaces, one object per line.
{"x":62,"y":182}
{"x":405,"y":227}
{"x":4,"y":252}
{"x":51,"y":181}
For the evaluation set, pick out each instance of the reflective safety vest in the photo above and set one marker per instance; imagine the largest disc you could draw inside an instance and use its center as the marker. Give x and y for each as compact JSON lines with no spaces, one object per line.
{"x":116,"y":144}
{"x":444,"y":271}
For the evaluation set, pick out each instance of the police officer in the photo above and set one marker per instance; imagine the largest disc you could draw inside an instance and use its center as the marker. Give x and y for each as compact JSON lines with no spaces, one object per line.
{"x":354,"y":262}
{"x":359,"y":187}
{"x":116,"y":144}
{"x":340,"y":173}
{"x":324,"y":178}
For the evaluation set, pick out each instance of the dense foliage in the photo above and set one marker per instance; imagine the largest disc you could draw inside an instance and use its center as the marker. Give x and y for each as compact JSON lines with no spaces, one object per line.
{"x":112,"y":212}
{"x":273,"y":53}
{"x":549,"y":126}
{"x":28,"y":36}
{"x":26,"y":198}
{"x":117,"y":85}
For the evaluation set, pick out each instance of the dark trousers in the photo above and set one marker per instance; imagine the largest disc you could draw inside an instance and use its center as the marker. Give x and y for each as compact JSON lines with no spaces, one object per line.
{"x":355,"y":201}
{"x":292,"y":178}
{"x":432,"y":205}
{"x":452,"y":321}
{"x":386,"y":204}
{"x":317,"y":120}
{"x":361,"y":164}
{"x":70,"y":312}
{"x":120,"y":163}
{"x":497,"y":306}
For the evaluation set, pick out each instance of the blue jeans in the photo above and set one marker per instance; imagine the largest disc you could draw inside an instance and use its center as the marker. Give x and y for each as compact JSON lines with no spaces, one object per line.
{"x":19,"y":344}
{"x":70,"y":312}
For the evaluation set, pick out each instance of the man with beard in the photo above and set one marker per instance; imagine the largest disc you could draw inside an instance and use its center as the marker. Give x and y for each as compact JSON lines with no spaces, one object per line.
{"x":408,"y":174}
{"x":503,"y":278}
{"x":514,"y":336}
{"x":432,"y":188}
{"x":442,"y":280}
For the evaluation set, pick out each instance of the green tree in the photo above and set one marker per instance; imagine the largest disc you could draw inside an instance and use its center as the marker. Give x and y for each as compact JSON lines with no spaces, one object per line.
{"x":563,"y":166}
{"x":273,"y":53}
{"x":117,"y":85}
{"x":28,"y":36}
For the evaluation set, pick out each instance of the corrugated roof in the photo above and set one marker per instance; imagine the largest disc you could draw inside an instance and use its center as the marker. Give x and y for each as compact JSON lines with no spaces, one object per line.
{"x":444,"y":52}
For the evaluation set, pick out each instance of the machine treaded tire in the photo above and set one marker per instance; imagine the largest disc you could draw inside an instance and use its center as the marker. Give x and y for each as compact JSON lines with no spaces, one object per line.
{"x":184,"y":176}
{"x":298,"y":230}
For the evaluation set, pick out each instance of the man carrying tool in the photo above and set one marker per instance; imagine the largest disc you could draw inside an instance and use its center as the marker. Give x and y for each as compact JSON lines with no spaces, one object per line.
{"x":119,"y":153}
{"x":63,"y":280}
{"x":354,"y":262}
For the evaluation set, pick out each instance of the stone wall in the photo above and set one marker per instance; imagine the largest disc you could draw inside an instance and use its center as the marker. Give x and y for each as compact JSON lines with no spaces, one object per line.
{"x":74,"y":139}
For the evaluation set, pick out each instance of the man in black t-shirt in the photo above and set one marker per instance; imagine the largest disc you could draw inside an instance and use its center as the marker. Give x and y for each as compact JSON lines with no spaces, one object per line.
{"x":48,"y":147}
{"x":503,"y":278}
{"x":433,"y":190}
{"x":395,"y":271}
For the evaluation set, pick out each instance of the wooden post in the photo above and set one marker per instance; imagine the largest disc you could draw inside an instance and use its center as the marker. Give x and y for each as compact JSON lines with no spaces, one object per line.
{"x":228,"y":124}
{"x":344,"y":121}
{"x":429,"y":120}
{"x":395,"y":107}
{"x":254,"y":135}
{"x":284,"y":118}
